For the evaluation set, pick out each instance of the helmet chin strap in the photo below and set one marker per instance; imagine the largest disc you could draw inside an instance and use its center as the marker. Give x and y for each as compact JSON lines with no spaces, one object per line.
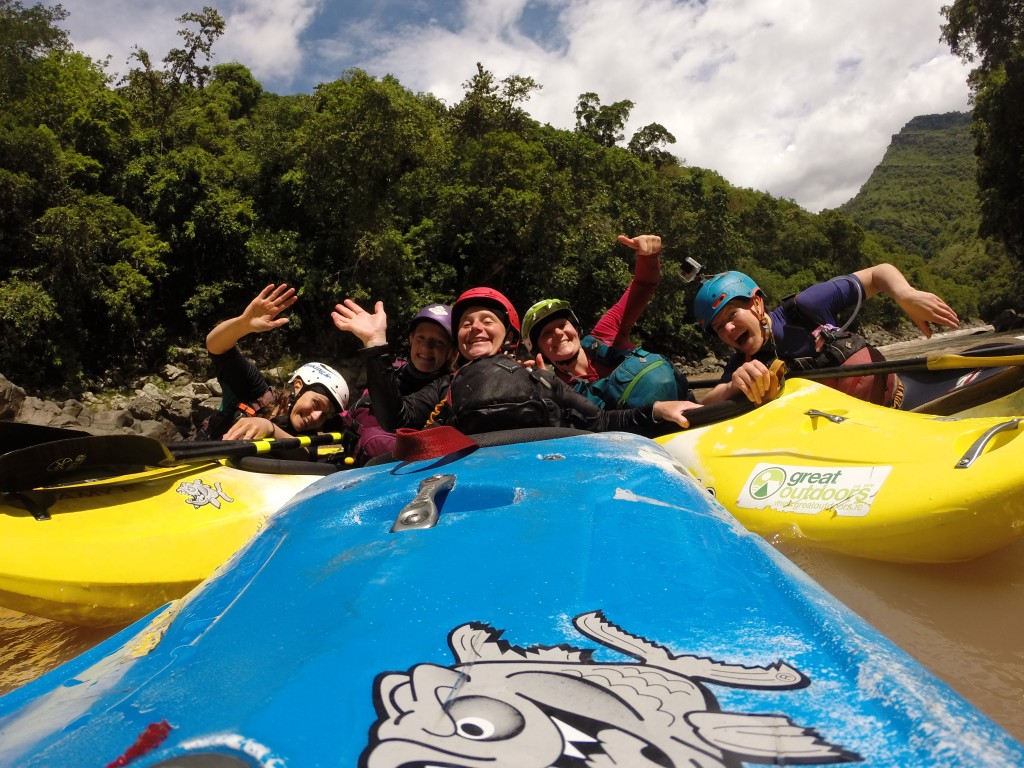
{"x":766,"y":328}
{"x":762,"y":316}
{"x":570,"y":361}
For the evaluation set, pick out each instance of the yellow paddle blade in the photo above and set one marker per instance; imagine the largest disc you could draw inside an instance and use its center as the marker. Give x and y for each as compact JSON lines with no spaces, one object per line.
{"x":946,"y":362}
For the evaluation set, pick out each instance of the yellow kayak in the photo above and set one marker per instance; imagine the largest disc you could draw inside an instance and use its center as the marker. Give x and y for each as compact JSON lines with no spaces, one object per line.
{"x":114,"y":549}
{"x":825,"y":469}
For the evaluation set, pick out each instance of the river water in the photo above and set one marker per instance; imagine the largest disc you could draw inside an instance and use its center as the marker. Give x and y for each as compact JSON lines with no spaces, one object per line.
{"x":965,"y":622}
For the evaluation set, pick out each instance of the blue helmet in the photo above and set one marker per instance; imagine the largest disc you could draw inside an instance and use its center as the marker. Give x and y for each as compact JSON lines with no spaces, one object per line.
{"x":718,"y":291}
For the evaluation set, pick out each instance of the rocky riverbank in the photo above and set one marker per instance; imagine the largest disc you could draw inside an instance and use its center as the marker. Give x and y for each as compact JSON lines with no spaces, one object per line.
{"x":171,"y":403}
{"x":168,"y":404}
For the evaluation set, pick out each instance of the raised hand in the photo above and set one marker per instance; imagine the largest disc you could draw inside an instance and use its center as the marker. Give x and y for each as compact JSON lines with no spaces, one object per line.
{"x":371,"y":329}
{"x":923,"y":308}
{"x":263,"y":312}
{"x":644,"y":245}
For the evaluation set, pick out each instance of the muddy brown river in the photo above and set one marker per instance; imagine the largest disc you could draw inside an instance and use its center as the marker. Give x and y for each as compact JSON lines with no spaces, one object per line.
{"x":965,"y":622}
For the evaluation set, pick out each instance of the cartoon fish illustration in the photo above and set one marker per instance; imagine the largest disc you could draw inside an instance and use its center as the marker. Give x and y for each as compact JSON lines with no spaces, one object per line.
{"x":504,"y":706}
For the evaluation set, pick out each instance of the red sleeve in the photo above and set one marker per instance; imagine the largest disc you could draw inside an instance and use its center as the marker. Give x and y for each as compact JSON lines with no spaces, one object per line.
{"x":617,"y":323}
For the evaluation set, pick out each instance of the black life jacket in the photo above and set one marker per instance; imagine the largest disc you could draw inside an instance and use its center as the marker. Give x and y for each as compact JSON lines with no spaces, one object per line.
{"x":493,"y":393}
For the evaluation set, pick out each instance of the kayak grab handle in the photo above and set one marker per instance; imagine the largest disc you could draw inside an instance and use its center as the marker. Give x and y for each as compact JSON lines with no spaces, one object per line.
{"x":421,"y":512}
{"x":979,"y":445}
{"x":833,"y":417}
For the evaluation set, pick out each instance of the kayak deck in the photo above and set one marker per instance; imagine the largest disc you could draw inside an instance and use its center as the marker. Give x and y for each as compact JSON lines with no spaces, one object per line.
{"x":825,"y":469}
{"x":580,"y":596}
{"x":114,"y":549}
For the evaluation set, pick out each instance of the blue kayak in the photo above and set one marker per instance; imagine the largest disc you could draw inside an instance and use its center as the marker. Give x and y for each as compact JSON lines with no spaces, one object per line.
{"x":572,"y":602}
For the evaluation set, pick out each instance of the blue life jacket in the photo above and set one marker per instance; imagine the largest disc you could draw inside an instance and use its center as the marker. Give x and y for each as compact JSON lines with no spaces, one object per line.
{"x":639,"y":377}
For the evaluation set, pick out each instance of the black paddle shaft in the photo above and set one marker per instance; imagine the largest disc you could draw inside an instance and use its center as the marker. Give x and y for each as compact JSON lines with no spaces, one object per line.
{"x":891,"y":366}
{"x":55,"y":461}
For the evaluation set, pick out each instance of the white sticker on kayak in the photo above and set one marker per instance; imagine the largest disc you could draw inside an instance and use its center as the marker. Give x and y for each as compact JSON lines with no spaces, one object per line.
{"x":847,"y":491}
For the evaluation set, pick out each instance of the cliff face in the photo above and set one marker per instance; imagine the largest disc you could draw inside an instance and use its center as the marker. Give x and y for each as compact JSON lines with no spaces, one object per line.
{"x":925,"y":186}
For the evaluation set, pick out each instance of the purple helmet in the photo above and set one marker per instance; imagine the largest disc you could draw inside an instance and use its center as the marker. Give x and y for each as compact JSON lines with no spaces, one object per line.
{"x":435,"y":313}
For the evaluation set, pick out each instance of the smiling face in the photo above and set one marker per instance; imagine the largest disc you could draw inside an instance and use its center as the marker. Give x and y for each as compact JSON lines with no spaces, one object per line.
{"x":480,"y":333}
{"x":738,"y":324}
{"x":559,"y":341}
{"x":311,"y":410}
{"x":430,"y":348}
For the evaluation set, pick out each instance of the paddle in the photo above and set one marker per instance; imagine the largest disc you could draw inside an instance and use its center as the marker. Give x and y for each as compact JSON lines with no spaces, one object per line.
{"x":55,"y":461}
{"x":19,"y":434}
{"x":969,"y":359}
{"x":234,"y":449}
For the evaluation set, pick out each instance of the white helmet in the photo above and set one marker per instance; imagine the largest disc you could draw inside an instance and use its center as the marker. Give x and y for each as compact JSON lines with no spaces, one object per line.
{"x":325,"y":376}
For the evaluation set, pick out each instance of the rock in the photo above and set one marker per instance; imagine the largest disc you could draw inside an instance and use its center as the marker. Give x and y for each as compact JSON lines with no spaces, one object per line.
{"x":1008,"y":320}
{"x":167,"y":406}
{"x":210,"y":404}
{"x":159,"y":429}
{"x":36,"y":411}
{"x":145,"y":407}
{"x":113,"y":420}
{"x":72,"y":408}
{"x":180,"y":413}
{"x":186,"y":392}
{"x":174,"y":373}
{"x":11,"y":398}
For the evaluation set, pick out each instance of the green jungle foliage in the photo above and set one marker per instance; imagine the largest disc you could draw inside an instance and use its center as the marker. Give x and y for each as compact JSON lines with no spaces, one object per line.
{"x":136,"y":214}
{"x":990,"y":34}
{"x":922,"y":199}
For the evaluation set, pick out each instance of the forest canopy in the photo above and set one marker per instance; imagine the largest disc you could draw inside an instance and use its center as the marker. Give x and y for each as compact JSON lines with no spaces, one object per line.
{"x":138,"y":212}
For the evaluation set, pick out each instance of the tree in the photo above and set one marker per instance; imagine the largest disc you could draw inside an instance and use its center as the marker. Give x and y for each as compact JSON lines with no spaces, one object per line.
{"x":182,"y":63}
{"x":989,"y":29}
{"x":603,"y":124}
{"x":486,"y":107}
{"x":647,"y":144}
{"x":160,"y":92}
{"x":365,"y":163}
{"x":992,"y":33}
{"x":26,"y":36}
{"x":999,"y":131}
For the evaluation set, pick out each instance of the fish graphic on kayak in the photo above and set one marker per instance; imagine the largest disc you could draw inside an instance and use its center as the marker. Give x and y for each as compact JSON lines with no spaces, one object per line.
{"x":553,"y":706}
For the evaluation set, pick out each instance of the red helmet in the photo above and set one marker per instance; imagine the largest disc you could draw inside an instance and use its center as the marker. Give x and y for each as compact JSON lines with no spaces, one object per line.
{"x":491,"y":299}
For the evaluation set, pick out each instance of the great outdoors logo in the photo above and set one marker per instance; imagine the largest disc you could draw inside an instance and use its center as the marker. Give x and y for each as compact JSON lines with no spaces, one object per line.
{"x":767,"y":483}
{"x":848,"y":491}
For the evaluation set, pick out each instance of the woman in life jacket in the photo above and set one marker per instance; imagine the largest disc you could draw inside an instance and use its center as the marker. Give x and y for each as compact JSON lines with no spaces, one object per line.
{"x":612,"y":377}
{"x":431,"y":352}
{"x":806,"y":330}
{"x":250,"y":407}
{"x":550,"y":327}
{"x":489,"y":390}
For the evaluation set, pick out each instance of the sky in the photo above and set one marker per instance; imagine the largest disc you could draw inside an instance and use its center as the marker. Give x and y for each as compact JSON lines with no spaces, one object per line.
{"x":797,"y":98}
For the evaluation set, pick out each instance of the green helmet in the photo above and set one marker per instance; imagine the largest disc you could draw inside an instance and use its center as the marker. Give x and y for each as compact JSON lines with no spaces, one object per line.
{"x":539,"y":314}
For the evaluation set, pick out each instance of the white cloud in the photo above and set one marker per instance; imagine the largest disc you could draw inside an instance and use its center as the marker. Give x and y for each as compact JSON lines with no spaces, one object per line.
{"x":795,"y":97}
{"x":265,"y":36}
